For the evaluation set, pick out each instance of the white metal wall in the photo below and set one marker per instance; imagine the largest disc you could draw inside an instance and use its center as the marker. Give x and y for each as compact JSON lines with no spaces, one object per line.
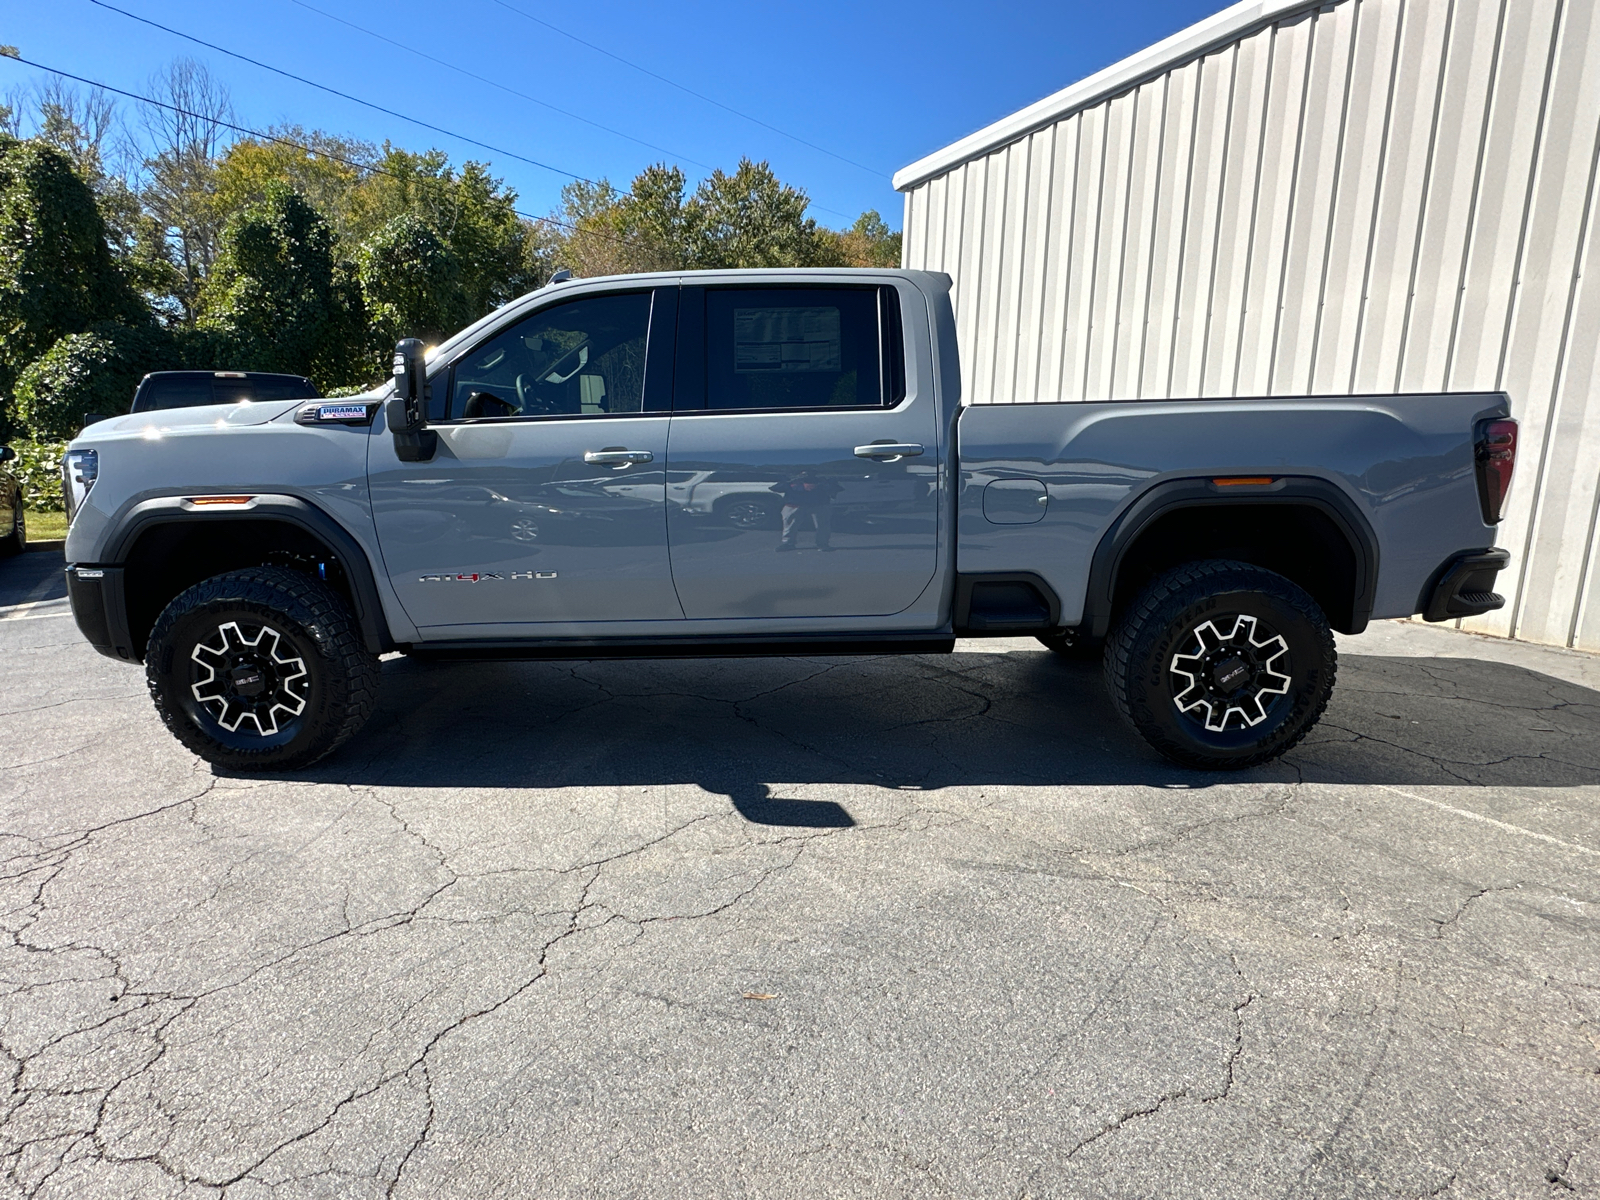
{"x":1375,"y":196}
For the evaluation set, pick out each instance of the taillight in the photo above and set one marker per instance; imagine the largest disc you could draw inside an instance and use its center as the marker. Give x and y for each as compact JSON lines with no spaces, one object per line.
{"x":1496,"y":454}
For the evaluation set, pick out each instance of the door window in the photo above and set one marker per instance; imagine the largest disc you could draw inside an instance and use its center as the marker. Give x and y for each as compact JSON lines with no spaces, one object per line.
{"x":585,"y":357}
{"x":793,"y":348}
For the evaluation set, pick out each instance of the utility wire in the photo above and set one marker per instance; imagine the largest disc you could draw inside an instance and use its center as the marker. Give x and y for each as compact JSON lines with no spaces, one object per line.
{"x":497,"y":84}
{"x":335,"y":91}
{"x":682,"y":88}
{"x":283,"y":141}
{"x":524,"y":96}
{"x":255,"y":62}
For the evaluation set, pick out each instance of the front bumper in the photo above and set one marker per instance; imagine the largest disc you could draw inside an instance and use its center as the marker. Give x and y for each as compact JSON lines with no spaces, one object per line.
{"x":1464,"y":586}
{"x":100,"y":609}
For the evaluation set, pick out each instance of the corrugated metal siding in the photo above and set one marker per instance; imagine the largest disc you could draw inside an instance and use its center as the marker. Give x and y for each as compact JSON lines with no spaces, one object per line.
{"x":1374,"y":195}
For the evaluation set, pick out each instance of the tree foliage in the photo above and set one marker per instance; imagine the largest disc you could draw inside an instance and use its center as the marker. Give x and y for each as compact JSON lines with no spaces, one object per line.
{"x":179,"y":192}
{"x":749,"y":218}
{"x":57,"y":276}
{"x":91,"y":372}
{"x":282,"y":297}
{"x":869,"y":243}
{"x":752,"y":219}
{"x":413,"y":283}
{"x":37,"y":469}
{"x":472,"y":213}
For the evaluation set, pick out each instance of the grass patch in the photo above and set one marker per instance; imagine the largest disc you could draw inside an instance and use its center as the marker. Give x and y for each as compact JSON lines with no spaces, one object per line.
{"x":46,"y":526}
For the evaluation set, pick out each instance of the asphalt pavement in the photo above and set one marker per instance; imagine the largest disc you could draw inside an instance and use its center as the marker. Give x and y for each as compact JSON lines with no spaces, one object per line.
{"x":916,"y":927}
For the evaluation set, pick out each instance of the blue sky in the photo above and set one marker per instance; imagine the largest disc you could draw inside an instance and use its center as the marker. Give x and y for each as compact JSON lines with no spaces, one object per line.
{"x":878,"y":82}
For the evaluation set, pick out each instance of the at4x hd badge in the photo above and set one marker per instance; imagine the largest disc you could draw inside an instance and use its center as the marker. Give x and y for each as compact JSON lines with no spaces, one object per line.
{"x":486,"y":577}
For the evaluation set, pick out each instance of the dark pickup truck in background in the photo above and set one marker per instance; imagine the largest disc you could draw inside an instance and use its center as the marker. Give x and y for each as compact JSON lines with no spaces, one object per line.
{"x":190,"y":389}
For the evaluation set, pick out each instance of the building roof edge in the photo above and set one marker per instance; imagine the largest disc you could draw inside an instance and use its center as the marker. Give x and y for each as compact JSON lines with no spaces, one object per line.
{"x":1219,"y":29}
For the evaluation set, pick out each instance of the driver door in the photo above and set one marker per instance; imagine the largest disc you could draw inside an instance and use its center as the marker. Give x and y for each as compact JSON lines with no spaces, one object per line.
{"x":546,"y":499}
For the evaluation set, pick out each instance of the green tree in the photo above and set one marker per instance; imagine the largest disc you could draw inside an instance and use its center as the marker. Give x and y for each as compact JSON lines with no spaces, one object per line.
{"x":328,"y":170}
{"x":412,"y":284}
{"x":282,"y":297}
{"x":179,"y":189}
{"x":646,"y":228}
{"x":57,"y":275}
{"x":86,"y":127}
{"x":869,"y":243}
{"x":472,"y":213}
{"x":752,"y":219}
{"x":743,"y":220}
{"x":91,"y":372}
{"x":749,"y":218}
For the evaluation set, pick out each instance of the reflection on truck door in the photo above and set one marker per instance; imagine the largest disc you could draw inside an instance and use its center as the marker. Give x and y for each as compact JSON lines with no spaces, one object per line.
{"x":777,"y":387}
{"x":546,"y":499}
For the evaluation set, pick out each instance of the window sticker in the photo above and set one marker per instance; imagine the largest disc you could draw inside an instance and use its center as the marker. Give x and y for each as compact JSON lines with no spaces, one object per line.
{"x":786,"y":339}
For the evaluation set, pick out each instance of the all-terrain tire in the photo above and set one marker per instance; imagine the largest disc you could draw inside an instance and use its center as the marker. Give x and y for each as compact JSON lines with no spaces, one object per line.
{"x":1221,"y":665}
{"x":261,"y":670}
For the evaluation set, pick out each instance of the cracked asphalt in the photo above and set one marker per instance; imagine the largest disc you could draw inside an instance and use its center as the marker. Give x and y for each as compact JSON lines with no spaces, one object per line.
{"x":920,"y":927}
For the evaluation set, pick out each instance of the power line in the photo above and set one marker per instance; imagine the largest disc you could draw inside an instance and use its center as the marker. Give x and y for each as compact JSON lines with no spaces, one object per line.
{"x":524,"y":96}
{"x":497,"y":84}
{"x":426,"y":125}
{"x":336,"y":92}
{"x":282,"y":141}
{"x":682,"y":88}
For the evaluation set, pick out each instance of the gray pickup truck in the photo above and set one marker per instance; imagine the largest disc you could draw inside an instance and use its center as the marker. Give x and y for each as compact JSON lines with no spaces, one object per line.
{"x":765,"y":462}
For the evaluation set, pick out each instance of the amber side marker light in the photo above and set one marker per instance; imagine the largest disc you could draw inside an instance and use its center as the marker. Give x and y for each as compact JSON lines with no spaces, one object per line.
{"x":1245,"y":481}
{"x":197,"y":500}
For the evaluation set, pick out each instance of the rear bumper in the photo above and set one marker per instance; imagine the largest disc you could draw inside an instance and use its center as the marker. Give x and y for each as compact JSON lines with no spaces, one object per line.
{"x":95,"y":594}
{"x":1464,"y":586}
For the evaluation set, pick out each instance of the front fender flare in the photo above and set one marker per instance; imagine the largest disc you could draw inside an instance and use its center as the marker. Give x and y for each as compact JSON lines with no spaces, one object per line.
{"x":172,"y":510}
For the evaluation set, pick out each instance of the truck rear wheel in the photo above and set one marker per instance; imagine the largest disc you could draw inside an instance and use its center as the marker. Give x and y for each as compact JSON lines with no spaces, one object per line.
{"x":260,"y":670}
{"x":1221,"y":665}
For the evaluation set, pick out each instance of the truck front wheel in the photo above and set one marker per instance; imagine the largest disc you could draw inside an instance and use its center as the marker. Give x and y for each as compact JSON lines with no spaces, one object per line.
{"x":260,"y":670}
{"x":1221,"y":665}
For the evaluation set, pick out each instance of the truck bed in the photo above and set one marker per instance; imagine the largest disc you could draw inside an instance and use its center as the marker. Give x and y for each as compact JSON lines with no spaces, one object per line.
{"x":1400,"y":467}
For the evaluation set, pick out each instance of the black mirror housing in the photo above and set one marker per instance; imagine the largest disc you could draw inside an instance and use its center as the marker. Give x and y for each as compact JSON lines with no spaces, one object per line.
{"x":7,"y":454}
{"x":407,"y":410}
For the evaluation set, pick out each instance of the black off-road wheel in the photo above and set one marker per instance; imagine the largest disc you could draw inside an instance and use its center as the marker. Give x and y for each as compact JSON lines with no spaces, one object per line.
{"x":1221,"y":665}
{"x":260,"y":670}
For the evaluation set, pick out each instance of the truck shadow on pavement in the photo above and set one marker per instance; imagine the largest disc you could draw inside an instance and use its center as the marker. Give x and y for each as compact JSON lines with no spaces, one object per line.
{"x":770,"y":734}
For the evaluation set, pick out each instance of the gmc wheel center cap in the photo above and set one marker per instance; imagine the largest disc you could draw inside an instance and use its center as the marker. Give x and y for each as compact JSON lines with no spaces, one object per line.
{"x":247,"y":680}
{"x":1230,"y":673}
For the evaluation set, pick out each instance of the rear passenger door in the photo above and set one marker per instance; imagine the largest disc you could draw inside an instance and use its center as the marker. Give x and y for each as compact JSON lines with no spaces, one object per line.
{"x":809,"y":476}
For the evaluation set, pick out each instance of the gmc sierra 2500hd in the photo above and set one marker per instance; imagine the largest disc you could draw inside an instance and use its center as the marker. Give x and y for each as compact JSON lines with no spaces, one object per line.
{"x":765,"y":462}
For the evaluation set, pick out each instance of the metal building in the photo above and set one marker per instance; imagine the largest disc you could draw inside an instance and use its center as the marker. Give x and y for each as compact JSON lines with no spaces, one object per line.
{"x":1347,"y":197}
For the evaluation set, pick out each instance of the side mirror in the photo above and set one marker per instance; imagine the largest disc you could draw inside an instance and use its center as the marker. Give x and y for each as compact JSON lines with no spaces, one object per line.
{"x":407,"y":410}
{"x":7,"y":454}
{"x":91,"y":418}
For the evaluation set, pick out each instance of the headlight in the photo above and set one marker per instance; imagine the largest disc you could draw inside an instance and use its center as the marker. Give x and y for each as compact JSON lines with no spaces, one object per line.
{"x":79,"y":470}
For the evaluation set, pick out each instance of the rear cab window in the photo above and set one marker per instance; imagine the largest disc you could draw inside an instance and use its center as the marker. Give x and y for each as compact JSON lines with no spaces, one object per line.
{"x":793,"y":348}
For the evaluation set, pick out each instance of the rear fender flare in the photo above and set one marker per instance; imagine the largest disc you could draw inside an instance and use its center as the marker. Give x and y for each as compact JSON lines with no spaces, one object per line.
{"x":1174,"y":494}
